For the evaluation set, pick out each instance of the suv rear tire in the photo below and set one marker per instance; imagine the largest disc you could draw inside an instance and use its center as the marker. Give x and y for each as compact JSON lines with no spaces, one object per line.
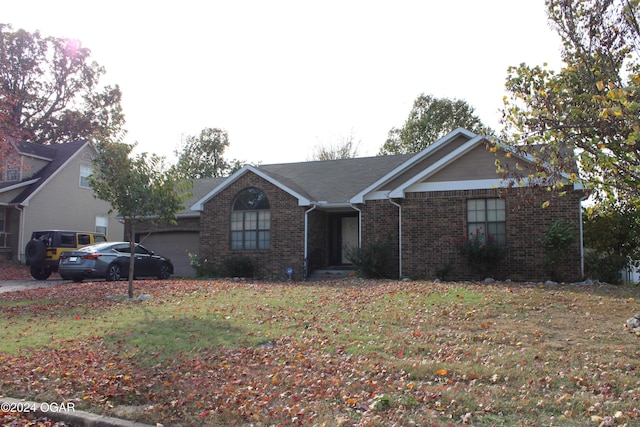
{"x":35,"y":251}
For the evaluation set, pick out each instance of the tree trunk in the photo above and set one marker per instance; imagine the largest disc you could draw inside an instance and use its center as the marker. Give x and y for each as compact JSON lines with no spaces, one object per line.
{"x":132,"y":247}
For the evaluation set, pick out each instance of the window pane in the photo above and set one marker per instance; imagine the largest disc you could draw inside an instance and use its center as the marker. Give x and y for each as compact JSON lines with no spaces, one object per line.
{"x":264,"y":238}
{"x":236,"y":240}
{"x":251,"y":220}
{"x":250,"y":239}
{"x":265,"y":220}
{"x":85,"y":172}
{"x":236,"y":221}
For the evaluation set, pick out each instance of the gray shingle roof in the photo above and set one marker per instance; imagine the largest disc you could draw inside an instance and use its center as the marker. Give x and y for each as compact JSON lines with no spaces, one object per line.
{"x":59,"y":155}
{"x":333,"y":181}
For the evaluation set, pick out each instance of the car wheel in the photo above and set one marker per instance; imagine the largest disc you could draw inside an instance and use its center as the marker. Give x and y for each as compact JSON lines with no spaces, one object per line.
{"x":164,"y":271}
{"x":40,"y":272}
{"x":77,"y":279}
{"x":35,"y":251}
{"x":114,"y":272}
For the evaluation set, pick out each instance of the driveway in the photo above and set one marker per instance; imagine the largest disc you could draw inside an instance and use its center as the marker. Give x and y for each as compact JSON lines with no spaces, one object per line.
{"x":26,"y":284}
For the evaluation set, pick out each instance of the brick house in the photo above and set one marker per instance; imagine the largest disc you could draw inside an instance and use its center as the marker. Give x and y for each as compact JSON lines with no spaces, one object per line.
{"x":283,"y":215}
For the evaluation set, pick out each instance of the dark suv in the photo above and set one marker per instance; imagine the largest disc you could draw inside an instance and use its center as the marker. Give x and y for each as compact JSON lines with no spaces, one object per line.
{"x":44,"y":249}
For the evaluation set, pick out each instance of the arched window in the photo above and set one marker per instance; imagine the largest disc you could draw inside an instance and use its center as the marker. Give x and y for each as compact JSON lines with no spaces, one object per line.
{"x":250,"y":221}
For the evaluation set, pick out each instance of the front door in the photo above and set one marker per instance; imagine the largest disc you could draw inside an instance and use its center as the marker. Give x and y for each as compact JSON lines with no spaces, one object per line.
{"x":343,"y":232}
{"x":349,"y":236}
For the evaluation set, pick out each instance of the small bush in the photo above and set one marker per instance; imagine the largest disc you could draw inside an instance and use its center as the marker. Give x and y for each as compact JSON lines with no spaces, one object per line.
{"x":238,"y":266}
{"x":605,"y":267}
{"x":202,"y":266}
{"x":482,"y":254}
{"x":557,"y":239}
{"x":372,"y":260}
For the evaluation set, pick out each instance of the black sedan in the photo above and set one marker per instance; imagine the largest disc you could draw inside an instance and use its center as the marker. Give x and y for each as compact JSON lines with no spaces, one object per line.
{"x":110,"y":261}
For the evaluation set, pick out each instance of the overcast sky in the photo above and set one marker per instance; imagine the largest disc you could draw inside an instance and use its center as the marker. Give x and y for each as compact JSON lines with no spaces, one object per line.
{"x":282,"y":77}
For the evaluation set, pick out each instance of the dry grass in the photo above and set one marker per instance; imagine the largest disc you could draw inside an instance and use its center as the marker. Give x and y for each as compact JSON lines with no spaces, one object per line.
{"x":342,"y":353}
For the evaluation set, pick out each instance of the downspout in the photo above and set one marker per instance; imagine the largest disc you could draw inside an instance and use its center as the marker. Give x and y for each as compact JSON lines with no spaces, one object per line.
{"x":306,"y":241}
{"x":583,"y":198}
{"x":21,"y":245}
{"x":399,"y":237}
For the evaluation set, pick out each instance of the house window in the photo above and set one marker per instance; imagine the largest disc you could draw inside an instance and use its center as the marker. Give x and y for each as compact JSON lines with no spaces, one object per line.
{"x":101,"y":224}
{"x":85,"y":173}
{"x":12,"y":174}
{"x":486,"y":218}
{"x":3,"y":215}
{"x":250,"y":221}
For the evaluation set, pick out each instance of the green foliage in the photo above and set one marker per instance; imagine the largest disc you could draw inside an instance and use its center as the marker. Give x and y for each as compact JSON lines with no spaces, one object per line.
{"x":202,"y":156}
{"x":372,"y":260}
{"x":557,"y":240}
{"x":137,"y":188}
{"x":481,"y":252}
{"x":237,"y":266}
{"x":588,"y":111}
{"x":612,"y":238}
{"x":202,"y":266}
{"x":50,"y":90}
{"x":430,"y":119}
{"x":605,"y":267}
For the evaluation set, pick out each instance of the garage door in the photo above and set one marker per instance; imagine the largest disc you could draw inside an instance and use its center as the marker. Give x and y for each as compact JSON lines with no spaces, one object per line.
{"x":175,"y":246}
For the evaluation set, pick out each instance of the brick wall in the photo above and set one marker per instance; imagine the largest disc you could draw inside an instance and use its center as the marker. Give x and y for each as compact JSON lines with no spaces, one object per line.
{"x":287,"y":230}
{"x":380,"y":222}
{"x":433,"y":221}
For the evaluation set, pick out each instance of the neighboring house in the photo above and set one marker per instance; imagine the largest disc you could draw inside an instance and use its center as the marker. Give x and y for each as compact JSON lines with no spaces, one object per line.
{"x":45,"y":187}
{"x":177,"y":241}
{"x":286,"y":216}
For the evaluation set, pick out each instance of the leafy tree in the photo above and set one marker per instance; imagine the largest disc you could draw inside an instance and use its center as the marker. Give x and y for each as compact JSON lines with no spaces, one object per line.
{"x":7,"y":131}
{"x":202,"y":156}
{"x":587,"y":113}
{"x":347,"y":148}
{"x":612,"y":235}
{"x":137,"y":188}
{"x":430,"y":119}
{"x":50,"y":89}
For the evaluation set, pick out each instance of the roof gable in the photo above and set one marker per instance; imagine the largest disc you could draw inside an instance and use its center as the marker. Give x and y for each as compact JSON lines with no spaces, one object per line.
{"x":416,"y":164}
{"x":56,"y":157}
{"x":198,"y":206}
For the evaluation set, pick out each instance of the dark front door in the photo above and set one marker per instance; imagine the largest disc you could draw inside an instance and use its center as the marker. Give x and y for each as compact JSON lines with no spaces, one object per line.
{"x":343,"y":233}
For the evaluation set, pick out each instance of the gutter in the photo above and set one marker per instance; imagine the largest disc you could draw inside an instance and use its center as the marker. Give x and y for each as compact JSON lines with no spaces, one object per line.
{"x":399,"y":237}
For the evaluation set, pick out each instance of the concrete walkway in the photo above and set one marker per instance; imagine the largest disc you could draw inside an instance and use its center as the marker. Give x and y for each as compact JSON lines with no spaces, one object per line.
{"x":26,"y":284}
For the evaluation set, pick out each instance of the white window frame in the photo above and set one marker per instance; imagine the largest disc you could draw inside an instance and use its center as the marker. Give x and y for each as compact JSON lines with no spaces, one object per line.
{"x":85,"y":172}
{"x":102,"y":224}
{"x":487,"y":217}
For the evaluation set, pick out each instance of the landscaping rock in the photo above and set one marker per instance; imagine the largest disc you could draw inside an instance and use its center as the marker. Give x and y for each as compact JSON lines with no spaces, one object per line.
{"x":633,"y":324}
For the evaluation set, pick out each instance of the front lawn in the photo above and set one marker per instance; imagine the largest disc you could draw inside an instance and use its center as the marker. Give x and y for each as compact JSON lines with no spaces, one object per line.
{"x":345,"y":353}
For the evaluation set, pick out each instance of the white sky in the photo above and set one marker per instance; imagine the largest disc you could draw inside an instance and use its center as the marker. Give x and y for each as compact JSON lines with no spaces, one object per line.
{"x":285,"y":76}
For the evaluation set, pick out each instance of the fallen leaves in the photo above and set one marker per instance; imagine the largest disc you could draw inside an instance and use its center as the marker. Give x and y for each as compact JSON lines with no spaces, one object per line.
{"x":346,"y":353}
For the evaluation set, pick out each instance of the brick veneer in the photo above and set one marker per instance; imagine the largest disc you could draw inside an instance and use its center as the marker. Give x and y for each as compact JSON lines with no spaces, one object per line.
{"x":431,"y":222}
{"x":287,"y":230}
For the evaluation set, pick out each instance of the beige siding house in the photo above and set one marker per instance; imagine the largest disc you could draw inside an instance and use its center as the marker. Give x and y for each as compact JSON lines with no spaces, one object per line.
{"x":45,"y":187}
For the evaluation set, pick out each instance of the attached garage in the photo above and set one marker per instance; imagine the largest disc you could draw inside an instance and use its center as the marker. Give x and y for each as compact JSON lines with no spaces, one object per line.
{"x":175,"y":245}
